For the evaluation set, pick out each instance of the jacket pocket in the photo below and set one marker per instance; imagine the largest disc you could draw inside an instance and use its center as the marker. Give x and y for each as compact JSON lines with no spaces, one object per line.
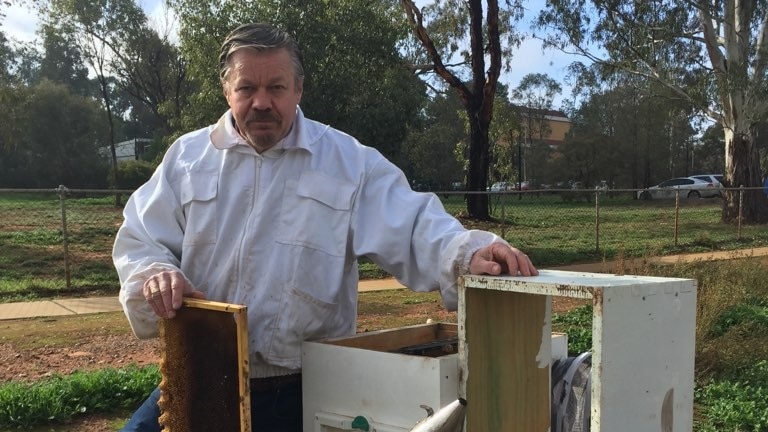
{"x":303,"y":317}
{"x":197,"y":192}
{"x":316,"y":213}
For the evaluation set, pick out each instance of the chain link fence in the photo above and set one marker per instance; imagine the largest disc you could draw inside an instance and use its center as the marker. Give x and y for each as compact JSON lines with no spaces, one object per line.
{"x":585,"y":225}
{"x":59,"y":241}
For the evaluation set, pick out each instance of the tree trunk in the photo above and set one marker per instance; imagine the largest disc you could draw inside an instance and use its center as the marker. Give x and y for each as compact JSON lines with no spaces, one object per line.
{"x":477,"y":176}
{"x":742,"y":168}
{"x":111,"y":121}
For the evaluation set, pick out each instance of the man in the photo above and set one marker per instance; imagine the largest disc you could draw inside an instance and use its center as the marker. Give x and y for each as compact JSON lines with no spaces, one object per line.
{"x":271,"y":210}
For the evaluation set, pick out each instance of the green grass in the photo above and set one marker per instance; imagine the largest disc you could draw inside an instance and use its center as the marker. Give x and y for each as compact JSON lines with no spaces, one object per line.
{"x":550,"y":230}
{"x":555,"y":232}
{"x":577,"y":324}
{"x":60,"y":398}
{"x":32,"y":260}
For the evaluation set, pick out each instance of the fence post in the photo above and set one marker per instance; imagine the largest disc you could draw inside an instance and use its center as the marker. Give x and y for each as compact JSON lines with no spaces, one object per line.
{"x":62,"y":190}
{"x":597,"y":221}
{"x":741,"y":210}
{"x":503,"y":217}
{"x":677,"y":214}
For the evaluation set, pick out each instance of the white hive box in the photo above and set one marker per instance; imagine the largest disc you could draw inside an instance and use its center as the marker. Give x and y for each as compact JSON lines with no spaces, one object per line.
{"x":643,"y":350}
{"x":362,"y":376}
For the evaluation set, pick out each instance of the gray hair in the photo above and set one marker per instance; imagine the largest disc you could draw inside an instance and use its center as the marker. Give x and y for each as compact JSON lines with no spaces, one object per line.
{"x":259,"y":37}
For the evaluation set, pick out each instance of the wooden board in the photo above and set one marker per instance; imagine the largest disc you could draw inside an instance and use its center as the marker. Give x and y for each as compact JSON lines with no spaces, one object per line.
{"x":205,"y":370}
{"x":394,"y":339}
{"x":505,"y":360}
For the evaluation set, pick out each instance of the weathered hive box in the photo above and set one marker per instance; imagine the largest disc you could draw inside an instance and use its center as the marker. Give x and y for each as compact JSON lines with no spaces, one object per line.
{"x":643,"y":332}
{"x":385,"y":379}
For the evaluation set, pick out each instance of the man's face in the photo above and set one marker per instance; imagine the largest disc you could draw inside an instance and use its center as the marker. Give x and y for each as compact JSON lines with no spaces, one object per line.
{"x":263,"y":93}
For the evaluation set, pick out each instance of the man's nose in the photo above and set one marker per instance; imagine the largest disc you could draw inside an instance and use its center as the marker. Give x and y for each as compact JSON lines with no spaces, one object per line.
{"x":261,"y":100}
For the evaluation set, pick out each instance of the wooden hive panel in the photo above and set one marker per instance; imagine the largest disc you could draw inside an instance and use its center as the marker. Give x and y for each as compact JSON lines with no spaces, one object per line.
{"x":204,"y":368}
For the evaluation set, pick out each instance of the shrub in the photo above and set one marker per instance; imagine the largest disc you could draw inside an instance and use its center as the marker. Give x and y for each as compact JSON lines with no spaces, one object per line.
{"x":132,"y":174}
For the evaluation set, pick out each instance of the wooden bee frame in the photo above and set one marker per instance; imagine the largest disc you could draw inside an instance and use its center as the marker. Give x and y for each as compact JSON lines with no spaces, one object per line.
{"x":205,"y":369}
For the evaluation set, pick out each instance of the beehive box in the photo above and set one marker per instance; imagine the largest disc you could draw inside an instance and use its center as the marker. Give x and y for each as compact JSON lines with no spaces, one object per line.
{"x":385,"y":378}
{"x":643,"y":333}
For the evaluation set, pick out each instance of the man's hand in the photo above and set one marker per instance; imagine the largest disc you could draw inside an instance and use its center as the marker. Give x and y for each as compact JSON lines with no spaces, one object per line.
{"x":498,"y":258}
{"x":165,"y":290}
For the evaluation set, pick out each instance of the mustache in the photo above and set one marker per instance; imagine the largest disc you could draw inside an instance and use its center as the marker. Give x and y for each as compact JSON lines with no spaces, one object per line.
{"x":262,"y":117}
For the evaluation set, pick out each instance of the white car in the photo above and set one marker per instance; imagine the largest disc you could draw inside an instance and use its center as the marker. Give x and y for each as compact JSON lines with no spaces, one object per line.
{"x":716,"y":179}
{"x":688,"y":187}
{"x":499,"y":187}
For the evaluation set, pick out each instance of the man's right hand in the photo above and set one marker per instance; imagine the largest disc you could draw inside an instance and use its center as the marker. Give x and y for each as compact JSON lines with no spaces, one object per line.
{"x":164,"y":292}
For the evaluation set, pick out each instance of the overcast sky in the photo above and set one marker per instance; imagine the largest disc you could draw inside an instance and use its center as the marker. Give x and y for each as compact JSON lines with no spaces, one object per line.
{"x":20,"y":23}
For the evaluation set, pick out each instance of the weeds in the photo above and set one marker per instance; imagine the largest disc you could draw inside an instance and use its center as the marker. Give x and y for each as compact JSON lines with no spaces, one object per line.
{"x":60,"y":398}
{"x":577,"y":324}
{"x":731,"y":347}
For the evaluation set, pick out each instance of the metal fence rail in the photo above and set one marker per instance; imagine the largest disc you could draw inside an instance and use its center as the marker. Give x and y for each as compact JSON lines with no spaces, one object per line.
{"x":61,"y":239}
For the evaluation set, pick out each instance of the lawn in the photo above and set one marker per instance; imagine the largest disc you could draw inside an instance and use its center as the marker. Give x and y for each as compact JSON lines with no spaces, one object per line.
{"x":36,"y":262}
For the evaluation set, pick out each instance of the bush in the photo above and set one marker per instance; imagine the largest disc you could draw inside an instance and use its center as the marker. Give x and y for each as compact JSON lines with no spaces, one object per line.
{"x":132,"y":174}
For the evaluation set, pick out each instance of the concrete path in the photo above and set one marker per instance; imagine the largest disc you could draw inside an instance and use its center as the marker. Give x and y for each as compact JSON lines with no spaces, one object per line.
{"x":76,"y":306}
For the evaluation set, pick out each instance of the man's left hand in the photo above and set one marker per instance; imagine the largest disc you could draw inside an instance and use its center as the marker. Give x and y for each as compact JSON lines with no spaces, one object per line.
{"x":498,"y":258}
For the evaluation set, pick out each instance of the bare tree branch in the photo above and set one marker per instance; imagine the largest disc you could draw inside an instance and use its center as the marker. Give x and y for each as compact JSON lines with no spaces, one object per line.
{"x":417,"y":22}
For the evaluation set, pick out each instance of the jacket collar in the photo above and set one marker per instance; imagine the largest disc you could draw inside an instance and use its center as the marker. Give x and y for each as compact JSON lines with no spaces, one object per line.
{"x":224,"y":135}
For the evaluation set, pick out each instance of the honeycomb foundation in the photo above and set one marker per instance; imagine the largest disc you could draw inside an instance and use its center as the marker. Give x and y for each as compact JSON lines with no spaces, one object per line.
{"x":204,"y":369}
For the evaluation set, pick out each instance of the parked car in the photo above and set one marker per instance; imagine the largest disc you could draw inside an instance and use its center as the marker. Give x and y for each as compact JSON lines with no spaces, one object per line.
{"x":602,"y":185}
{"x":715,"y":179}
{"x":524,"y":185}
{"x":689,"y":187}
{"x":499,"y":187}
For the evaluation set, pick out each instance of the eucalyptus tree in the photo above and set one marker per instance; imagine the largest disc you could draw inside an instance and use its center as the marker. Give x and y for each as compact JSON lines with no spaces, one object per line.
{"x":432,"y":139}
{"x":6,"y":58}
{"x":504,"y":135}
{"x":644,"y":135}
{"x":99,"y":29}
{"x":126,"y":55}
{"x":33,"y":157}
{"x":62,"y":62}
{"x":711,"y":53}
{"x":459,"y":38}
{"x":534,"y":98}
{"x":355,"y":76}
{"x":13,"y":96}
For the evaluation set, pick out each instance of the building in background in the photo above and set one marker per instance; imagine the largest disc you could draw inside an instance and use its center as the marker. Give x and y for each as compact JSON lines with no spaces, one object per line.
{"x":132,"y":149}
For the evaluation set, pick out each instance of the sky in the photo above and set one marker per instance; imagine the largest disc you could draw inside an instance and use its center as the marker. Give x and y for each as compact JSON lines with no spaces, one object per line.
{"x":20,"y":23}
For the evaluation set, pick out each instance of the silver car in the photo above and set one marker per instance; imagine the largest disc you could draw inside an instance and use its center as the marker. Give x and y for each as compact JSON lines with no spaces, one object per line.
{"x":687,"y":187}
{"x":716,"y":179}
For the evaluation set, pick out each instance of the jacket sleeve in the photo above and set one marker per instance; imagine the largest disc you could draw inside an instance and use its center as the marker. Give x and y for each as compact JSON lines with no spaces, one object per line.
{"x":410,"y":235}
{"x":148,"y":242}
